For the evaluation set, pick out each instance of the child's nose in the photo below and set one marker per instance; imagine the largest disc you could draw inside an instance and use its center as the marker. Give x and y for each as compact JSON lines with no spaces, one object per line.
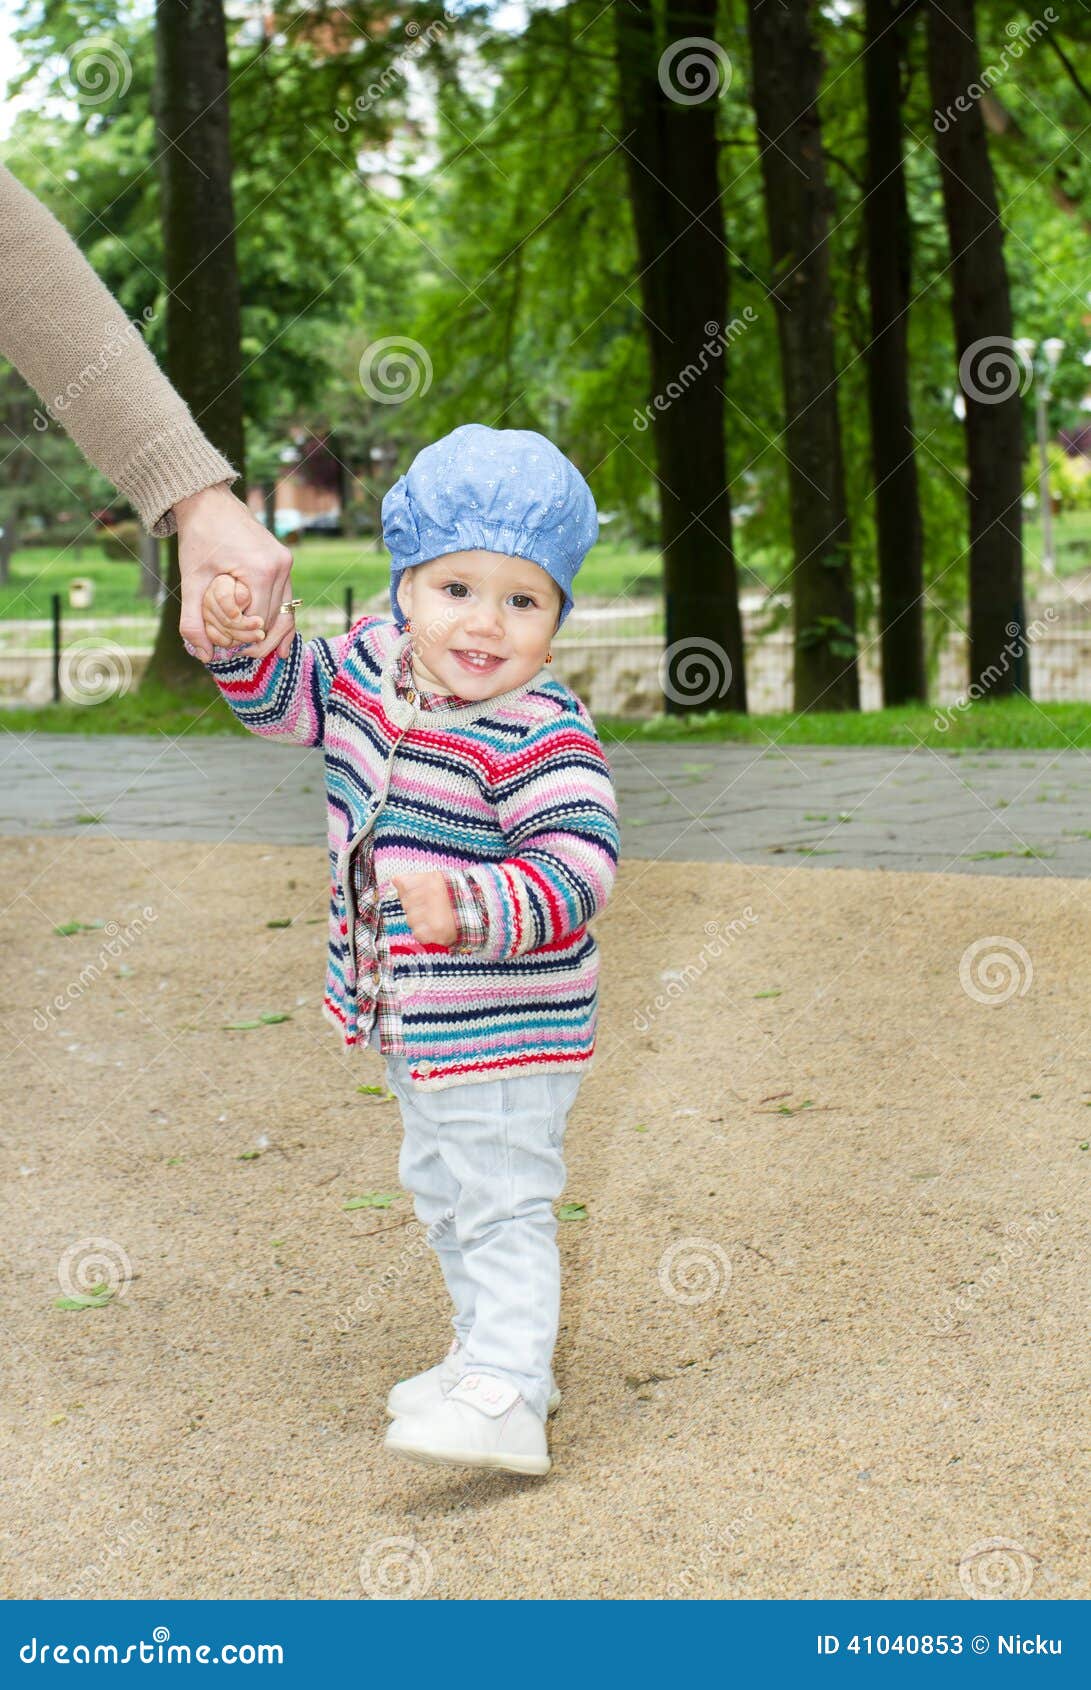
{"x":484,"y":621}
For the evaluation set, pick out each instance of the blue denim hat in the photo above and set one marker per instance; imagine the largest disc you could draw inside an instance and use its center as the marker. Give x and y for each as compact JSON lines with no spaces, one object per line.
{"x":504,"y":490}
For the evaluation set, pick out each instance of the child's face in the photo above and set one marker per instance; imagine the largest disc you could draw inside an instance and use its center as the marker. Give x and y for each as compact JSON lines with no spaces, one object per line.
{"x":485,"y":602}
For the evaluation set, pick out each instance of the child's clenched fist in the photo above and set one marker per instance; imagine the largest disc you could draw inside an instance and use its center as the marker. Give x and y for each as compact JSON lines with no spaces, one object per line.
{"x":428,"y":907}
{"x":222,"y":608}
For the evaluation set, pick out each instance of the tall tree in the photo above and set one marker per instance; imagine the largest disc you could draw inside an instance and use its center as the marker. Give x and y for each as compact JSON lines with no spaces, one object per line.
{"x":672,"y":157}
{"x":204,"y":336}
{"x":785,"y":76}
{"x":893,"y":446}
{"x":989,"y":371}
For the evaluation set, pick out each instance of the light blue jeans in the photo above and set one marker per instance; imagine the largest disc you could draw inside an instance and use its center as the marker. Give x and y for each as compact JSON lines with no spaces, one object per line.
{"x":491,"y":1152}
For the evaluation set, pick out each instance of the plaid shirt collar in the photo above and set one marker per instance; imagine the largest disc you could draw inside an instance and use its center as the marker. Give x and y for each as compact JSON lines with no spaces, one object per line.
{"x":404,"y":680}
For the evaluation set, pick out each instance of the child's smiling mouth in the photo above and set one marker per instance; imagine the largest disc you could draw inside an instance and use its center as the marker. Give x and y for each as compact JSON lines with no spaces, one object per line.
{"x":477,"y":662}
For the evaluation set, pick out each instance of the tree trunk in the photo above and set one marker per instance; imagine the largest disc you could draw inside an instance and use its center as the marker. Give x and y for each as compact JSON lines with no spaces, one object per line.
{"x":893,"y":447}
{"x":269,"y":501}
{"x":672,"y":160}
{"x":9,"y":539}
{"x":149,"y":583}
{"x":785,"y":73}
{"x":989,"y":369}
{"x":204,"y":354}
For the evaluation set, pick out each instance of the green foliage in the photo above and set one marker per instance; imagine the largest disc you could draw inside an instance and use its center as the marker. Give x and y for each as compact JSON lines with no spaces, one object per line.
{"x":121,"y":543}
{"x":496,"y":234}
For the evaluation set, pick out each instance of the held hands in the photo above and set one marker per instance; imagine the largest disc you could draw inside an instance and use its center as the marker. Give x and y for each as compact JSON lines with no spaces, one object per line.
{"x":217,"y":533}
{"x":225,"y":601}
{"x":427,"y":905}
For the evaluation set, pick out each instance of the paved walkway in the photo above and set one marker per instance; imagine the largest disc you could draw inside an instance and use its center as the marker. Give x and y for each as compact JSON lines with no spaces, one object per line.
{"x":994,"y":812}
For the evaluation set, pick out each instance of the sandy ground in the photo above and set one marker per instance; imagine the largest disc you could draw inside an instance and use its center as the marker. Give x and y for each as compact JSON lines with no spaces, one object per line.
{"x":823,"y":1328}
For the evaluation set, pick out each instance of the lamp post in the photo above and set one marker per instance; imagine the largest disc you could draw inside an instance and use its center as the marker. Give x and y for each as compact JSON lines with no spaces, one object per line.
{"x":1052,"y":348}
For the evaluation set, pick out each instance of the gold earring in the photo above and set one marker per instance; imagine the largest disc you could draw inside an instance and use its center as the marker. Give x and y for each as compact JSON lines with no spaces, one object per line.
{"x":549,"y":657}
{"x":408,"y":624}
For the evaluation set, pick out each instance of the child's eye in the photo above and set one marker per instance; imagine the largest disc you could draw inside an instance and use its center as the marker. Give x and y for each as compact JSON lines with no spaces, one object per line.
{"x":526,"y":596}
{"x":460,"y":584}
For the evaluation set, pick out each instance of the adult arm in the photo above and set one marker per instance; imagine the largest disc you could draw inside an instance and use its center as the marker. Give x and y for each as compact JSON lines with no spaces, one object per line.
{"x":69,"y":338}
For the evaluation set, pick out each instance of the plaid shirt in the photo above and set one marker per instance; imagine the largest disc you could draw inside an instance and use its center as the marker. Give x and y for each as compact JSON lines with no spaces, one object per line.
{"x":375,"y":981}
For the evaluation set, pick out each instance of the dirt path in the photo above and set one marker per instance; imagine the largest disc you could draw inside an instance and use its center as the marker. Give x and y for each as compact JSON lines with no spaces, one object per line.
{"x":824,"y":1326}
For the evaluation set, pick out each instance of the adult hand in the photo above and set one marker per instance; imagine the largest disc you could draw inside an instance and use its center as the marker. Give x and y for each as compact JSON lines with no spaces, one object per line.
{"x":218,"y":536}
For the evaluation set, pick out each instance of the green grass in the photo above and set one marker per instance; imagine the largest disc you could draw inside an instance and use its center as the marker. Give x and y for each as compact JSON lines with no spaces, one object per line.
{"x":1001,"y":725}
{"x":321,"y":571}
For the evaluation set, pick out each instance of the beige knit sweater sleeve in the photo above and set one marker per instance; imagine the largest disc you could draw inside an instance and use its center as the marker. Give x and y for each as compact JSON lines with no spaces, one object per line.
{"x":69,"y":338}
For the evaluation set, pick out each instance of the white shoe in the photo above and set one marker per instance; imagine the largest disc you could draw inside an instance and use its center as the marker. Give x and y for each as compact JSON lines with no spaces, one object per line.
{"x":425,"y":1390}
{"x":481,"y":1422}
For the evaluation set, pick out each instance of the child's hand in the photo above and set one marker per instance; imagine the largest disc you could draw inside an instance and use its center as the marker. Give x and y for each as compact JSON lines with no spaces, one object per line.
{"x":222,"y":607}
{"x":427,"y":905}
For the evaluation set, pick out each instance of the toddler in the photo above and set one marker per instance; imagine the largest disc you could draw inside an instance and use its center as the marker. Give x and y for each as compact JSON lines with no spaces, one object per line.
{"x":473,"y":835}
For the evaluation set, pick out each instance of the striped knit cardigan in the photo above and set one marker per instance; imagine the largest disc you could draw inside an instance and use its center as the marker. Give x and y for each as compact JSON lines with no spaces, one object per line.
{"x":514,"y":790}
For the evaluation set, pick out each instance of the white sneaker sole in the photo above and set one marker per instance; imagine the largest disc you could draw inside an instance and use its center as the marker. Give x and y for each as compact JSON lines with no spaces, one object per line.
{"x":552,"y":1406}
{"x":528,"y":1465}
